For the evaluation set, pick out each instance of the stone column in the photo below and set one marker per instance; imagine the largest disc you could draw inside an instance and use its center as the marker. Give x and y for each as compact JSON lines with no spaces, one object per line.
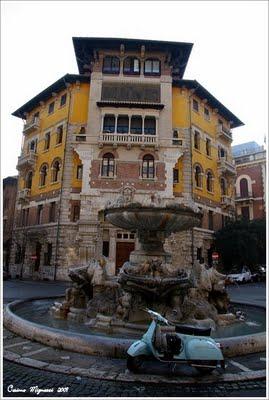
{"x":116,"y":123}
{"x":157,"y":127}
{"x":129,"y":123}
{"x":112,"y":249}
{"x":86,"y":157}
{"x":170,"y":158}
{"x":102,"y":123}
{"x":187,"y":165}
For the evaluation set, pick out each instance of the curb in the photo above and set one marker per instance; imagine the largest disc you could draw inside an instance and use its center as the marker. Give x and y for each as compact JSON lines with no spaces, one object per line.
{"x":129,"y":377}
{"x":107,"y":346}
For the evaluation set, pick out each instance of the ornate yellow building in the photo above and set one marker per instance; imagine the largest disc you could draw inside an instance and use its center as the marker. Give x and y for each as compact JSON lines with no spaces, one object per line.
{"x":128,"y":121}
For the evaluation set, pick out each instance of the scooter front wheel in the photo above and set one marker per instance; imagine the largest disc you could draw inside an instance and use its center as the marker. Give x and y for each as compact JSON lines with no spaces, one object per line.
{"x":204,"y":366}
{"x":134,"y":363}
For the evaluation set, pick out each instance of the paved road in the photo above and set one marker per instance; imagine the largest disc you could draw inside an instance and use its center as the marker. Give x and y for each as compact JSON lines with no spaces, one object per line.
{"x":15,"y":289}
{"x":254,"y":293}
{"x":24,"y":378}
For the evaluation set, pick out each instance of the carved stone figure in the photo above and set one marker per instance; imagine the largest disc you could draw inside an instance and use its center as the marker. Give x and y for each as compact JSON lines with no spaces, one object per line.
{"x":124,"y":306}
{"x":74,"y":298}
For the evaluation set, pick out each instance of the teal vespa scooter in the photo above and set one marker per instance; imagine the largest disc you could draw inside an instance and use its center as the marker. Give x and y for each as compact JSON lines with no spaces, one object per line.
{"x":173,"y":344}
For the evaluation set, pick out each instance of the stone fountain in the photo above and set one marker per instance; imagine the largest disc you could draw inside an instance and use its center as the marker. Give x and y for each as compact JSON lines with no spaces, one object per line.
{"x":148,"y":279}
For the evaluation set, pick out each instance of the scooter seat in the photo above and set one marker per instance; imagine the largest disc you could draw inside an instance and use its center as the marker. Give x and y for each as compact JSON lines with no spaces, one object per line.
{"x":192,"y":330}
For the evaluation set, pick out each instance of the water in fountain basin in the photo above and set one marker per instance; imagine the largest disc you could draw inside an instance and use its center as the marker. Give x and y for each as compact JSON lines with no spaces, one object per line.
{"x":38,"y":311}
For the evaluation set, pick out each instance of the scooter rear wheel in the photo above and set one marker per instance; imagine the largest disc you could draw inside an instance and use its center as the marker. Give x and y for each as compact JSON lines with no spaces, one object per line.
{"x":205,"y":366}
{"x":134,"y":363}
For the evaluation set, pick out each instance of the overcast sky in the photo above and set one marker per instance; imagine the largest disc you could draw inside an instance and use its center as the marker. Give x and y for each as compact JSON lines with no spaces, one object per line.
{"x":229,"y":56}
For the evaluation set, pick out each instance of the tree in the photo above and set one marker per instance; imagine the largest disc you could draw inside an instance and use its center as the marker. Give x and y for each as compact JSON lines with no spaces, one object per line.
{"x":241,"y":243}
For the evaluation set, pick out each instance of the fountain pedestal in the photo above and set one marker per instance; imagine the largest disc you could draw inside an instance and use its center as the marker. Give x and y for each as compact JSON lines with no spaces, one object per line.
{"x":149,"y":277}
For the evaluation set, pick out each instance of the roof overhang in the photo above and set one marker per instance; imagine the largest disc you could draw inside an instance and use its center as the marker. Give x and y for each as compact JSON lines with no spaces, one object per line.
{"x":46,"y":94}
{"x":204,"y":94}
{"x":86,"y":50}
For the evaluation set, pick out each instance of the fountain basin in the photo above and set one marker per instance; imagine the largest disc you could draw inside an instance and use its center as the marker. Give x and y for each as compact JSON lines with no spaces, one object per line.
{"x":16,"y":316}
{"x":164,"y":219}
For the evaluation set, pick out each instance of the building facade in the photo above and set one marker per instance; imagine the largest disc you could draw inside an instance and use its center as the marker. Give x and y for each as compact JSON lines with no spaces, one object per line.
{"x":250,"y":162}
{"x":9,"y":200}
{"x":128,"y":122}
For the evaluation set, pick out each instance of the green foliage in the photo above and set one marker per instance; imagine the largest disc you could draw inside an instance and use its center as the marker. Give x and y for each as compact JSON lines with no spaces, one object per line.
{"x":241,"y":243}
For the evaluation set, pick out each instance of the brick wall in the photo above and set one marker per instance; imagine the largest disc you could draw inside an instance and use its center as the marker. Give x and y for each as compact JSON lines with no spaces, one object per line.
{"x":127,"y":172}
{"x":32,"y":217}
{"x":254,"y":172}
{"x":9,"y":199}
{"x":258,"y":209}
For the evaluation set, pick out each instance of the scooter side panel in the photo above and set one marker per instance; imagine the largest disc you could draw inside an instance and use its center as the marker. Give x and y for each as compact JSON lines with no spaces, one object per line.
{"x":139,"y":348}
{"x":202,"y":349}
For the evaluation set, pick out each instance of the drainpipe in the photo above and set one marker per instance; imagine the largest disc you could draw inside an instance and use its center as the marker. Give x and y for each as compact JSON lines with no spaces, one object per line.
{"x":61,"y":192}
{"x":191,"y":147}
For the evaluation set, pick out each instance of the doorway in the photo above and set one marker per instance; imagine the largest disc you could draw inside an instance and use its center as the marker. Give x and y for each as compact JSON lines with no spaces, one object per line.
{"x":209,"y":256}
{"x":123,"y":250}
{"x":37,"y":253}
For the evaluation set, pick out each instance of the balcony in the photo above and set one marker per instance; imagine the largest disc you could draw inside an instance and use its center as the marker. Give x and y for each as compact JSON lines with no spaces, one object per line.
{"x":227,"y":201}
{"x":28,"y":160}
{"x":127,"y":139}
{"x":244,"y":197}
{"x":80,"y":138}
{"x":24,"y":195}
{"x":31,"y":126}
{"x":224,"y":133}
{"x":225,"y":167}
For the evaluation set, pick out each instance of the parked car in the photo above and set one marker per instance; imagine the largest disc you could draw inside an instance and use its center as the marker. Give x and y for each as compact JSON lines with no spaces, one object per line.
{"x":259,"y":273}
{"x":240,"y":277}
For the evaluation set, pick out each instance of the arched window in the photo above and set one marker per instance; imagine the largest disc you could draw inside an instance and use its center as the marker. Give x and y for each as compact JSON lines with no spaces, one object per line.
{"x":108,"y":165}
{"x":82,"y":131}
{"x":28,"y":180}
{"x":198,"y":176}
{"x":243,"y":187}
{"x":223,"y":186}
{"x":55,"y":171}
{"x":152,"y":66}
{"x":197,"y":140}
{"x":148,"y":170}
{"x":131,"y":66}
{"x":209,"y":181}
{"x":111,"y":65}
{"x":43,"y":174}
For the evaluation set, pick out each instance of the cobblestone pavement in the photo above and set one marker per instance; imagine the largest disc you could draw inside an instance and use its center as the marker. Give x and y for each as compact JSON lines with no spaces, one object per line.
{"x":22,"y":377}
{"x":25,"y":377}
{"x":102,"y":369}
